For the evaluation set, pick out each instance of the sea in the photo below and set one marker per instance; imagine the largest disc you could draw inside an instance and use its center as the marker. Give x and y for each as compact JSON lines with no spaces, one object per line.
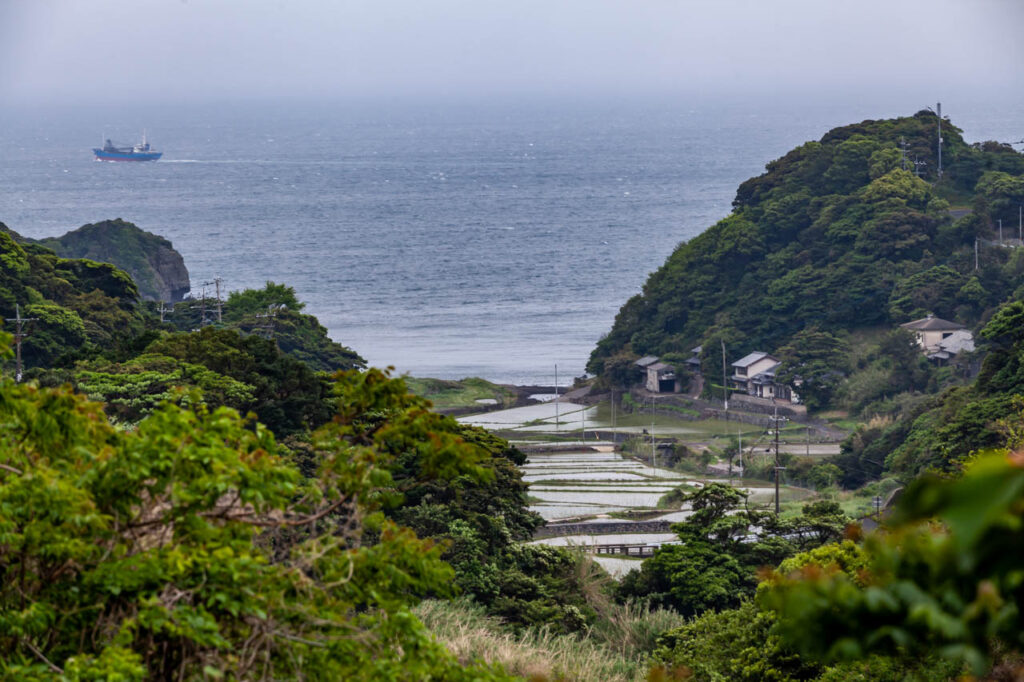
{"x":444,"y":238}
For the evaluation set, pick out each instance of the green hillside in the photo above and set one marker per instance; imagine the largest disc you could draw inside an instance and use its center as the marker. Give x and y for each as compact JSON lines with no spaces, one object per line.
{"x":836,"y":236}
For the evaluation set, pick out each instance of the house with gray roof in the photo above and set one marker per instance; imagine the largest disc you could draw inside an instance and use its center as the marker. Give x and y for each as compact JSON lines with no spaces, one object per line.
{"x":941,"y":340}
{"x":754,"y":374}
{"x":931,"y":330}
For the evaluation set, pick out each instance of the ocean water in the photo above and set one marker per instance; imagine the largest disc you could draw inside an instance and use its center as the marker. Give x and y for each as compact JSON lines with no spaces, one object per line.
{"x":446,"y":239}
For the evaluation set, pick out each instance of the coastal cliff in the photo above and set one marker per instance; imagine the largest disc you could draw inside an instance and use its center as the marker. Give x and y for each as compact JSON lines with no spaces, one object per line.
{"x":158,"y":270}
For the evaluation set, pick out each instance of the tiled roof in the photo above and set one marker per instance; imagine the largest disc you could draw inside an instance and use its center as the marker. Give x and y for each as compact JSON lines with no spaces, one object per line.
{"x":750,"y":359}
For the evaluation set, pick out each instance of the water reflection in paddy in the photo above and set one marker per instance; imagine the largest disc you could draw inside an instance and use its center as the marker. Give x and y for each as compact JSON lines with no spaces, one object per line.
{"x":585,"y":483}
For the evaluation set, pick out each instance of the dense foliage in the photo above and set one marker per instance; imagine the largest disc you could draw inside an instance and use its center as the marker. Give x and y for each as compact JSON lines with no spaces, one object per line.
{"x":78,"y":305}
{"x":189,"y":548}
{"x":744,"y":644}
{"x":944,"y":579}
{"x":272,"y":312}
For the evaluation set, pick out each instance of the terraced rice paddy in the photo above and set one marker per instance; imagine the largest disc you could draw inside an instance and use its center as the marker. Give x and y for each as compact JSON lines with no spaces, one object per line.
{"x":584,"y":483}
{"x":589,"y":483}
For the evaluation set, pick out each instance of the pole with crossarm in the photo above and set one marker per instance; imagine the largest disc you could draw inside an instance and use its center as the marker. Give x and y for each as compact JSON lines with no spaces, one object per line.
{"x":19,"y":335}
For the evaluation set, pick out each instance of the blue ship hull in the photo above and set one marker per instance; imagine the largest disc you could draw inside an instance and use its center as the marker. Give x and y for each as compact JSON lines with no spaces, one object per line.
{"x":103,"y":155}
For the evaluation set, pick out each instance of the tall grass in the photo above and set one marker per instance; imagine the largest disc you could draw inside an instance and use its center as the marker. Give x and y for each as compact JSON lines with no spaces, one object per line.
{"x":615,"y":649}
{"x":535,"y":654}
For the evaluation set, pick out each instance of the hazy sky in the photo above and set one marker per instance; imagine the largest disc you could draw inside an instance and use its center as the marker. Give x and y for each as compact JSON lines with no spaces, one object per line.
{"x":122,"y":50}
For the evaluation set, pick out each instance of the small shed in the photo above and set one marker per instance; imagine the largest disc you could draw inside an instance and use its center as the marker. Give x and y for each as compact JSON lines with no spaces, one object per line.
{"x":661,"y":378}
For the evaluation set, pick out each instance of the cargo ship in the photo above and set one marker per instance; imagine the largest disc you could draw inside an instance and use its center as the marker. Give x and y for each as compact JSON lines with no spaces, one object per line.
{"x":136,"y":152}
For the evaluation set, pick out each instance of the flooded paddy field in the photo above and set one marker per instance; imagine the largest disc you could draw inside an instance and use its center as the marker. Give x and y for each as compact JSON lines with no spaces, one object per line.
{"x":585,"y":483}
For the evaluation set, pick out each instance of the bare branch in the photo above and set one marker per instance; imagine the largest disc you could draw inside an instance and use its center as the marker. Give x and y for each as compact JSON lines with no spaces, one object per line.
{"x":39,"y":654}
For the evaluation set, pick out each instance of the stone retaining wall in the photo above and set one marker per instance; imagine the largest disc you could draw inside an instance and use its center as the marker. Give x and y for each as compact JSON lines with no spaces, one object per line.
{"x":555,"y":530}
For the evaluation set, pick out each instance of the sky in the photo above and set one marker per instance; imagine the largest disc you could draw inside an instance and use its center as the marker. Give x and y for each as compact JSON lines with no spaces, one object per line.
{"x":79,"y":51}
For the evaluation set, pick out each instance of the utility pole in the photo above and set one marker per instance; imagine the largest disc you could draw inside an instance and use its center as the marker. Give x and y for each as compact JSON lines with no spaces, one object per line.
{"x":216,"y":283}
{"x":654,"y":454}
{"x":268,"y":326}
{"x":164,"y":310}
{"x":556,"y":397}
{"x":938,"y":115}
{"x":1000,"y":232}
{"x":975,"y":254}
{"x":614,"y":440}
{"x":776,"y":420}
{"x":19,"y":334}
{"x":903,"y":153}
{"x":725,"y":388}
{"x":202,"y":307}
{"x":739,"y":447}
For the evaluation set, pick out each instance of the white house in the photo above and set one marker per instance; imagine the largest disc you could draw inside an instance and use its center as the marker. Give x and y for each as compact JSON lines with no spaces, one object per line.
{"x":941,"y":340}
{"x":931,"y":331}
{"x":754,"y":374}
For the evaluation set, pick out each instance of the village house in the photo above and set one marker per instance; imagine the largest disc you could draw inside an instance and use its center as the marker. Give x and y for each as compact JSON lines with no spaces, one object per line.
{"x":941,"y":340}
{"x":754,"y":374}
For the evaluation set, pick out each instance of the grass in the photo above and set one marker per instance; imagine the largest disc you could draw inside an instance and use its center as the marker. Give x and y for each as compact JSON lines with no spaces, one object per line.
{"x":471,"y":635}
{"x":615,"y":648}
{"x":463,"y":393}
{"x":637,"y":515}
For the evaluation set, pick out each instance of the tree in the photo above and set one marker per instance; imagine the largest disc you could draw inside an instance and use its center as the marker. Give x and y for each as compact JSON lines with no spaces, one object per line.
{"x":816,"y":362}
{"x":287,"y":395}
{"x":722,"y":548}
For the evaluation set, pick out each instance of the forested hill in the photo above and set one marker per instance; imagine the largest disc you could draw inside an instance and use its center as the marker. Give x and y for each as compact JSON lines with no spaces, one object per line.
{"x":838,"y":234}
{"x":157,"y":269}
